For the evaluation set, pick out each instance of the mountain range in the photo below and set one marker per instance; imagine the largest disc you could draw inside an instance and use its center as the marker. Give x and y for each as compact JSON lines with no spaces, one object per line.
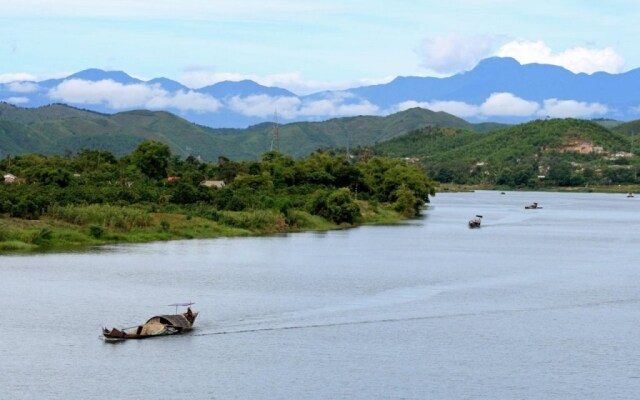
{"x":60,"y":129}
{"x":497,"y":89}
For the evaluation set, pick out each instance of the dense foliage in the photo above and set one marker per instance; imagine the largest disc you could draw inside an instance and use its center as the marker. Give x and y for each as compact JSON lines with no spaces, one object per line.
{"x":96,"y":188}
{"x":543,"y":153}
{"x":58,"y":129}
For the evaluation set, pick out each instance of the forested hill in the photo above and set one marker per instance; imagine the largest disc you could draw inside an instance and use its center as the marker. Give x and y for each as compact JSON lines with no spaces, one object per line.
{"x":556,"y":152}
{"x":631,"y":128}
{"x":60,"y":129}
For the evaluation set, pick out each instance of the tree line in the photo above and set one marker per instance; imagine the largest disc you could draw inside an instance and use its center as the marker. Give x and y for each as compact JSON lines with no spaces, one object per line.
{"x":323,"y":184}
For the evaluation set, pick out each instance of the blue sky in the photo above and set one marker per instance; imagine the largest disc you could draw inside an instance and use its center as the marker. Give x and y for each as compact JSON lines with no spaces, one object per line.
{"x":308,"y":46}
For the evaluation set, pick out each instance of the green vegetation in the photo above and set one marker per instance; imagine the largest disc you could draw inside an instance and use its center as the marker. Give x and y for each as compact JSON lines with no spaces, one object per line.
{"x":155,"y":191}
{"x":63,"y":130}
{"x":95,"y":197}
{"x":539,"y":154}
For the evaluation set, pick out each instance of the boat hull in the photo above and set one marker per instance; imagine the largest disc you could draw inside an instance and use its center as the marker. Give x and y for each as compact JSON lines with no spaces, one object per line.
{"x":161,"y":325}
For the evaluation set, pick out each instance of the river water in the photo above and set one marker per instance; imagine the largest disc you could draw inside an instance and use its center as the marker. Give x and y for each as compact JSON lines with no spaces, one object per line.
{"x":536,"y":304}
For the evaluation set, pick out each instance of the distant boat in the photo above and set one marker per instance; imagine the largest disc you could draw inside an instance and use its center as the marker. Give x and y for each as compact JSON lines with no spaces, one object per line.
{"x":475,"y":223}
{"x":159,"y":325}
{"x":533,"y":206}
{"x":630,"y":194}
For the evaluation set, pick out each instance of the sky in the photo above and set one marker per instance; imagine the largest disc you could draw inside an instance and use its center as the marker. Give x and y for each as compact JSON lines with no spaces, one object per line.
{"x":310,"y":46}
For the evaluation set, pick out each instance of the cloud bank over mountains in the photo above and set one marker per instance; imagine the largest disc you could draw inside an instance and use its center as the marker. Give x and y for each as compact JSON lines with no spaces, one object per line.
{"x":509,"y":105}
{"x":453,"y":53}
{"x":119,"y":96}
{"x":497,"y":89}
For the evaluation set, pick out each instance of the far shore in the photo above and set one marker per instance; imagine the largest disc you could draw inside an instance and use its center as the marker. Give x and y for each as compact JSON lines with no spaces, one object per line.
{"x":453,"y":187}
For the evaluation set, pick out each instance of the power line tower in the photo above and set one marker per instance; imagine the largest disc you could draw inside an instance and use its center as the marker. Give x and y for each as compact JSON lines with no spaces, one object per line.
{"x":275,"y":133}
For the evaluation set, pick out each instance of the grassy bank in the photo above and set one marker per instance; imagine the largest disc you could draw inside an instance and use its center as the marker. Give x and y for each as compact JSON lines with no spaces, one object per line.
{"x":76,"y":227}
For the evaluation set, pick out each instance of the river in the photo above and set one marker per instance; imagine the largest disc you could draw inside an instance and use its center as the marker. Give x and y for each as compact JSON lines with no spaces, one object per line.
{"x":536,"y":304}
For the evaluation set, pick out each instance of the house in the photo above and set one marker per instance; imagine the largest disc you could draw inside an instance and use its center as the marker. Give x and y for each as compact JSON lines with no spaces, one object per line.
{"x":9,"y":178}
{"x":216,"y":184}
{"x":171,"y":179}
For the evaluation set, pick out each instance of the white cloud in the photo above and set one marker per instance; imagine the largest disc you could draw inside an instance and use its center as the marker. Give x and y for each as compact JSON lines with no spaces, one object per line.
{"x":575,"y":59}
{"x":454,"y":53}
{"x":508,"y":105}
{"x":292,"y":107}
{"x":263,"y":105}
{"x":118,"y":96}
{"x":572,"y":109}
{"x":336,"y":108}
{"x":22,"y":87}
{"x":17,"y":77}
{"x":185,"y":101}
{"x":292,"y":81}
{"x":16,"y":100}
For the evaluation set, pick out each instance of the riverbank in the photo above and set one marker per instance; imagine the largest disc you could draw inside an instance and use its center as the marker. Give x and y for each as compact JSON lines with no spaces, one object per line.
{"x":452,"y":187}
{"x":53,"y":234}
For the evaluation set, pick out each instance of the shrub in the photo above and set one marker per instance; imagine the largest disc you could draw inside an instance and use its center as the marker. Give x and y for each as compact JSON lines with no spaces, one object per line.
{"x":43,"y":236}
{"x":337,"y":206}
{"x":164,"y":225}
{"x":257,"y":220}
{"x":123,"y":218}
{"x":96,"y":231}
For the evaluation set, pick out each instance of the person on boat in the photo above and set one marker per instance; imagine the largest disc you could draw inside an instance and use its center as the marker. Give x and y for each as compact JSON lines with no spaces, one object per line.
{"x":189,"y":314}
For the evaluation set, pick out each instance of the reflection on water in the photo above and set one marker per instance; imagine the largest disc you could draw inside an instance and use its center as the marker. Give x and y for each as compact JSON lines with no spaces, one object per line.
{"x":535,"y":304}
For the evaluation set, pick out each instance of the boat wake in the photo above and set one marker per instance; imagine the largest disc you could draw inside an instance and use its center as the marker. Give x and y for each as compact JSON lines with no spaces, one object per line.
{"x":417,"y":318}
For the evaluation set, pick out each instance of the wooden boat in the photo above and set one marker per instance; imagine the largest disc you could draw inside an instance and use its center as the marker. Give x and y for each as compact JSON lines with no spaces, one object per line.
{"x":533,"y":206}
{"x":475,"y":223}
{"x":159,"y":325}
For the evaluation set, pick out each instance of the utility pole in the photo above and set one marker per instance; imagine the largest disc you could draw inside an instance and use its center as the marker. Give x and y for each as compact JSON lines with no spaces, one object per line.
{"x":275,"y":134}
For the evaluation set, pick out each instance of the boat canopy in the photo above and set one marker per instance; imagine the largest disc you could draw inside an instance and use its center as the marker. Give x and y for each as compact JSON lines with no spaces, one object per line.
{"x":178,"y":320}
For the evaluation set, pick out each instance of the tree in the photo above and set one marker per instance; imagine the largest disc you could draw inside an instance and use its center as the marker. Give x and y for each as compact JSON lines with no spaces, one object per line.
{"x":337,"y":206}
{"x":342,"y":207}
{"x":152,"y":159}
{"x":406,"y":202}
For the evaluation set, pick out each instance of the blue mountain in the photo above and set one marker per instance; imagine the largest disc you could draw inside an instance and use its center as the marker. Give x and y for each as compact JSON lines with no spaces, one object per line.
{"x":94,"y":74}
{"x":168,"y":84}
{"x":620,"y":93}
{"x":530,"y":82}
{"x":244,"y":88}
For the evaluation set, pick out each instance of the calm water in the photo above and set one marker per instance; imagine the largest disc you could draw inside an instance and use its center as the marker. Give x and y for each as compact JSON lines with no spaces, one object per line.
{"x":537,"y":304}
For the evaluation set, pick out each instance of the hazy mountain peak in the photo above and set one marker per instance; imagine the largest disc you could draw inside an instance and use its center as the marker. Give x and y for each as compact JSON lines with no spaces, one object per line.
{"x":95,"y":74}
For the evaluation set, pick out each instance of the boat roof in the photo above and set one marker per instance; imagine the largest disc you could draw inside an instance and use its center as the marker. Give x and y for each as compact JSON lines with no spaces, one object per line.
{"x":177,"y":320}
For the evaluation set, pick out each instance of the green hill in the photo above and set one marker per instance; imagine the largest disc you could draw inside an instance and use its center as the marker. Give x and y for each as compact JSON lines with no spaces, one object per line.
{"x":631,"y":128}
{"x":9,"y":112}
{"x":59,"y":129}
{"x":518,"y":154}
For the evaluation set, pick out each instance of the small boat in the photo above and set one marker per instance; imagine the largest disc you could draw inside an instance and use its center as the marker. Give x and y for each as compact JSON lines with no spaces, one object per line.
{"x":630,"y":194}
{"x":159,"y":325}
{"x":475,"y":223}
{"x":533,"y":206}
